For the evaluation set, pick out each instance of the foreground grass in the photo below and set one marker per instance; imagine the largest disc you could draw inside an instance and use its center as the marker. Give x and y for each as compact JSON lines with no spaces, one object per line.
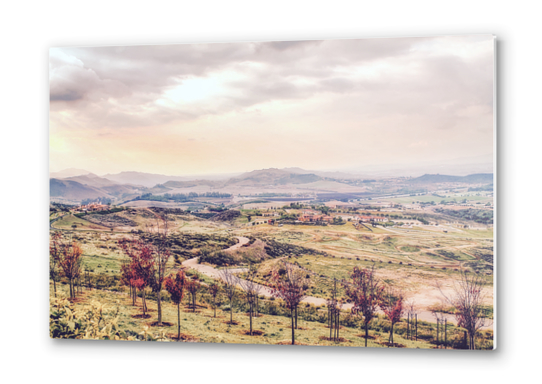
{"x":201,"y":326}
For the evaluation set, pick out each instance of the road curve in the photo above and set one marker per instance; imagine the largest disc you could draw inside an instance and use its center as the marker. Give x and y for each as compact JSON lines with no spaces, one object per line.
{"x":266,"y":291}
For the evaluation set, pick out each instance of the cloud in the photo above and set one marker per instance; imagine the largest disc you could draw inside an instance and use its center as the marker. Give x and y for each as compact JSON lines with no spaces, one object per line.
{"x":418,"y":86}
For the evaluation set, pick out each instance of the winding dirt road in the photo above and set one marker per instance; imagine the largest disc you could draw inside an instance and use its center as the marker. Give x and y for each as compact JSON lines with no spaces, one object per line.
{"x":266,"y":291}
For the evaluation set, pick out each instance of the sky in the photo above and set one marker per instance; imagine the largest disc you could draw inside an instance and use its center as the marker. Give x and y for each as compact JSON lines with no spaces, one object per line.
{"x":192,"y":109}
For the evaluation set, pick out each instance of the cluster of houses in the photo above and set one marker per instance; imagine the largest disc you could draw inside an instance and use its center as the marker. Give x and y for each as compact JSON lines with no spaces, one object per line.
{"x":312,"y":217}
{"x":92,"y":207}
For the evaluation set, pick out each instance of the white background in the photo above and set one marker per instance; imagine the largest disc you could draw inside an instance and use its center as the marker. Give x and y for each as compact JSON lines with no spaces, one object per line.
{"x":29,"y":29}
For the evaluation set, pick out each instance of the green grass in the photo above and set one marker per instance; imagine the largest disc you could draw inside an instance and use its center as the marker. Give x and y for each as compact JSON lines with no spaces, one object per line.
{"x":205,"y":328}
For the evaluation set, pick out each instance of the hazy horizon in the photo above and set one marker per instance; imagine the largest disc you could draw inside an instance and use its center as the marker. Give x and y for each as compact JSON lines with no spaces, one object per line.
{"x":332,"y":105}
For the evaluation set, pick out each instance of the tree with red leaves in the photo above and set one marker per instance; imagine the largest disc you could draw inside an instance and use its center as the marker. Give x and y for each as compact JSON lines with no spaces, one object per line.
{"x":140,"y":284}
{"x":391,"y":303}
{"x":289,"y":286}
{"x":126,"y":276}
{"x":68,"y":255}
{"x":214,"y":288}
{"x":139,"y":270}
{"x":151,"y":254}
{"x":364,"y":290}
{"x":175,"y":285}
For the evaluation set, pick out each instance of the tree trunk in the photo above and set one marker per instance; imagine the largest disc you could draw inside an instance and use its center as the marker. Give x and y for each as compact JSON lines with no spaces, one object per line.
{"x":293,"y":336}
{"x":214,"y":306}
{"x":366,"y":333}
{"x":250,"y":315}
{"x":330,"y":324}
{"x":54,"y":286}
{"x":144,"y":302}
{"x":179,"y":321}
{"x":159,"y":302}
{"x":338,"y":324}
{"x":295,"y":317}
{"x":231,"y":311}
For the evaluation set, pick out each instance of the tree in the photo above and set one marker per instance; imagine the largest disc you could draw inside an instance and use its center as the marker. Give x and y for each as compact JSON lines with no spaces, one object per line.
{"x":69,"y":260}
{"x":140,"y":284}
{"x":161,"y":257}
{"x":334,"y":312}
{"x":127,"y":274}
{"x":140,"y":268}
{"x":467,"y":297}
{"x":54,"y":257}
{"x":391,"y":303}
{"x":151,"y":251}
{"x":175,"y":285}
{"x":229,"y":282}
{"x":364,"y":290}
{"x":290,"y":287}
{"x":252,"y":290}
{"x":214,"y":288}
{"x":192,"y":286}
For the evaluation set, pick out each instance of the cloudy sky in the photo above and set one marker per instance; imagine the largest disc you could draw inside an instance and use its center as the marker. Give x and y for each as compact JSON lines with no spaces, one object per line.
{"x":216,"y":108}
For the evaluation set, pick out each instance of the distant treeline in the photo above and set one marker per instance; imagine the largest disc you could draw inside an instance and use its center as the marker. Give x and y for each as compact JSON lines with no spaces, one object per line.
{"x":180,"y":197}
{"x":488,"y":187}
{"x":477,"y":215}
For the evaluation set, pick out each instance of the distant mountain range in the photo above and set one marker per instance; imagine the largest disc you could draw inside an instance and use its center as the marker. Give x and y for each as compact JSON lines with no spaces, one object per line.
{"x":90,"y":186}
{"x":127,"y":185}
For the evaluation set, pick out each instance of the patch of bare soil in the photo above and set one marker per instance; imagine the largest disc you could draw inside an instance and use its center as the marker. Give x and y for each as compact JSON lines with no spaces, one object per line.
{"x":141,"y":316}
{"x":339,"y":340}
{"x":394,"y":345}
{"x":164,"y":324}
{"x":78,"y":300}
{"x":231,"y":323}
{"x":362,"y":335}
{"x":183,"y":337}
{"x":255,"y":332}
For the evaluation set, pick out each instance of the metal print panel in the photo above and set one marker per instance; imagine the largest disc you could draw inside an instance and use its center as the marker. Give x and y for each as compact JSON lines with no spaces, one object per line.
{"x":324,"y":193}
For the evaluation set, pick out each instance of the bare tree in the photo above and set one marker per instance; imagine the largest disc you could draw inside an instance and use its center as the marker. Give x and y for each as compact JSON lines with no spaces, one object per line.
{"x":468,"y":298}
{"x":252,"y":290}
{"x":54,"y":258}
{"x":229,"y":282}
{"x":192,"y":286}
{"x":290,"y":287}
{"x":214,"y":289}
{"x":161,"y":254}
{"x":334,"y":311}
{"x":411,"y":310}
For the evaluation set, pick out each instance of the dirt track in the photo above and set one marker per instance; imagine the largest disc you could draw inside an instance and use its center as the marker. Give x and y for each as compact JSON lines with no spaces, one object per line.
{"x":266,"y":291}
